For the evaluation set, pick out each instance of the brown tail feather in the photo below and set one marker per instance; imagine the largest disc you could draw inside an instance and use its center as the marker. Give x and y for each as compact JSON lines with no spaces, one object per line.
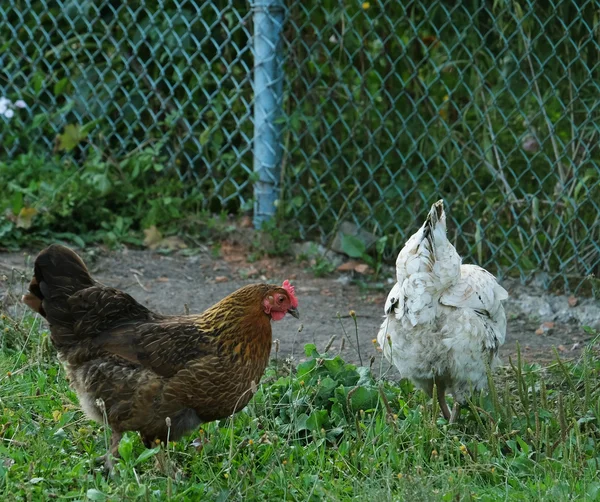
{"x":58,"y":273}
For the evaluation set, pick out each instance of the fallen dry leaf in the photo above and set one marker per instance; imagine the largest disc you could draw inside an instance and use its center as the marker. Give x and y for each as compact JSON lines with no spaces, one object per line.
{"x":221,"y":278}
{"x":327,"y":292}
{"x":162,"y":279}
{"x":562,"y":348}
{"x":363,"y":269}
{"x":171,"y":243}
{"x":573,"y":301}
{"x":232,"y":253}
{"x":264,"y":439}
{"x":348,"y":266}
{"x":153,"y":237}
{"x":25,"y":217}
{"x":246,"y":222}
{"x":545,"y":327}
{"x":154,"y":240}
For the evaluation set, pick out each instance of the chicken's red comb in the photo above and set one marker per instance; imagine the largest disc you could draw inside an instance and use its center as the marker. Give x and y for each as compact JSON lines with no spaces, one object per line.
{"x":291,"y":292}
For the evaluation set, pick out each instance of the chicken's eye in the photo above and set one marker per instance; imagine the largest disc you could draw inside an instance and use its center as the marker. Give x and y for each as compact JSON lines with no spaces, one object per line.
{"x":280,"y":299}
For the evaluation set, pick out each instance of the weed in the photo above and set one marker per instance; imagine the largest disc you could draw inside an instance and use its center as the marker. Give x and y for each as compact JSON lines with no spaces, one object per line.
{"x":356,"y":248}
{"x":272,"y":240}
{"x":328,"y":430}
{"x":322,"y":267}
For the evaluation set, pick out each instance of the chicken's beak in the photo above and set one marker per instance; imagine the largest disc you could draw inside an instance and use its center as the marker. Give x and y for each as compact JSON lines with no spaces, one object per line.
{"x":294,"y":312}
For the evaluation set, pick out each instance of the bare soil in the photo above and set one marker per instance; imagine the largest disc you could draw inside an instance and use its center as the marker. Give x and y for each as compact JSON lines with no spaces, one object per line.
{"x":167,"y":283}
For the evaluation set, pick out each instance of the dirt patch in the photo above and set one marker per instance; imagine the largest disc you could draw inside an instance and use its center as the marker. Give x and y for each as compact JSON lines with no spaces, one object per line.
{"x":167,"y":282}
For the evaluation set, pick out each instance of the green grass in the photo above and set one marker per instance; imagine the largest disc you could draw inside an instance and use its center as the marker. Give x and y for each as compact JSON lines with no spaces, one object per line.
{"x":329,"y":431}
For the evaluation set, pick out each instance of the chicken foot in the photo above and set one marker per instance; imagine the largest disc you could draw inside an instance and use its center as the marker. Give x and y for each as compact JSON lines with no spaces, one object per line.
{"x":112,"y":454}
{"x":452,"y":417}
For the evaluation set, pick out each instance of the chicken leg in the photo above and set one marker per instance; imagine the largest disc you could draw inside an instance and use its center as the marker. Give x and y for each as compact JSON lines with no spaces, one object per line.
{"x":441,"y":396}
{"x":455,"y":412}
{"x":440,"y":387}
{"x":112,"y":454}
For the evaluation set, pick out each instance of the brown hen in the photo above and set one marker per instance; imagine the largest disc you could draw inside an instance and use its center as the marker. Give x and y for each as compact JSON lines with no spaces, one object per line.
{"x":138,"y":367}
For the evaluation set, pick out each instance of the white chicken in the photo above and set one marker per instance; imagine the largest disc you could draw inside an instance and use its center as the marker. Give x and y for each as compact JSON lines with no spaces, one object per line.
{"x":444,"y":321}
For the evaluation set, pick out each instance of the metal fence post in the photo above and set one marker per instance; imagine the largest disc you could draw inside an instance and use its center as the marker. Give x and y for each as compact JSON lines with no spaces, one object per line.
{"x":268,"y":97}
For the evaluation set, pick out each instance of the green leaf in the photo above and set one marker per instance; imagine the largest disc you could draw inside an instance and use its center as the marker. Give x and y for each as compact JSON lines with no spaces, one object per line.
{"x":353,"y":246}
{"x":6,"y":227}
{"x":310,"y":349}
{"x":364,"y":398}
{"x":365,"y":376}
{"x":327,"y":387}
{"x":72,"y":237}
{"x":146,"y":454}
{"x":300,"y":422}
{"x":87,"y":128}
{"x":126,"y":448}
{"x":16,"y":203}
{"x":205,"y":136}
{"x":305,"y":367}
{"x":593,"y":489}
{"x":334,"y":433}
{"x":317,"y":420}
{"x":37,"y":82}
{"x":524,"y":446}
{"x":39,"y":119}
{"x":70,"y":138}
{"x":334,"y":366}
{"x":60,"y":86}
{"x":337,"y":413}
{"x":380,"y":246}
{"x":94,"y":494}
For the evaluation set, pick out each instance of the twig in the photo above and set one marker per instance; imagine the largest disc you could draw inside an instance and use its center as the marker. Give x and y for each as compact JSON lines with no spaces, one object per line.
{"x":347,"y":337}
{"x":353,"y":315}
{"x":329,"y":344}
{"x":386,"y":403}
{"x":349,"y":316}
{"x":140,"y":283}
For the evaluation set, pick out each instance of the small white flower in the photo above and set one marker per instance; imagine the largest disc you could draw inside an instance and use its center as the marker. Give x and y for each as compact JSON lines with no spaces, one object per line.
{"x":4,"y":104}
{"x":19,"y":103}
{"x":9,"y":113}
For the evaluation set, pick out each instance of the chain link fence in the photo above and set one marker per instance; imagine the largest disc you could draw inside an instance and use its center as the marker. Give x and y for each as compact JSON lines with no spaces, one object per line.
{"x":386,"y":107}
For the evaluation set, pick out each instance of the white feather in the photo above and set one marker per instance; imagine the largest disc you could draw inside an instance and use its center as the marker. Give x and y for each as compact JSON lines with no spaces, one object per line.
{"x":442,"y":318}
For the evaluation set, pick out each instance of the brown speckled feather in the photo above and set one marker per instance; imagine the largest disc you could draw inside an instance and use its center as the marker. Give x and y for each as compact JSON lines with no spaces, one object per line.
{"x":144,"y":366}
